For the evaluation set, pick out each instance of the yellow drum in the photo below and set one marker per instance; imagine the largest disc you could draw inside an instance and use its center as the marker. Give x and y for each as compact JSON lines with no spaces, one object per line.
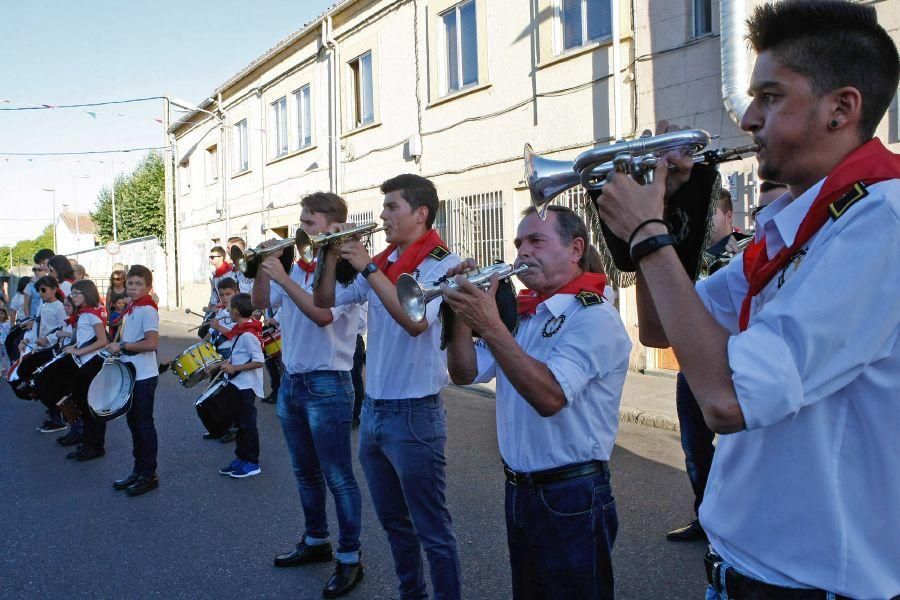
{"x":272,"y":344}
{"x":192,"y":366}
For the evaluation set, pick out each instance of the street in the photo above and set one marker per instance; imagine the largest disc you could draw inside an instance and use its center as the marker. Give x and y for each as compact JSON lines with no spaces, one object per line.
{"x":68,"y":534}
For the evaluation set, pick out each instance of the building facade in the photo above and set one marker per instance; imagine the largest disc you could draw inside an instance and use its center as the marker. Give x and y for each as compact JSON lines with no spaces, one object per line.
{"x":451,"y":90}
{"x":74,"y":232}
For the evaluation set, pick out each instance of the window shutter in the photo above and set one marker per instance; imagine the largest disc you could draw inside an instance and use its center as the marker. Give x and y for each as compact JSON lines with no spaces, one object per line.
{"x":452,"y":51}
{"x":599,"y":19}
{"x":469,"y":39}
{"x":366,"y":93}
{"x":571,"y":21}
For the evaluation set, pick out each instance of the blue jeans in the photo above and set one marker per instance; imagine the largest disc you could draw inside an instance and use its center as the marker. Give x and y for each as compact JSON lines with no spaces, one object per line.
{"x":143,"y":430}
{"x":315,"y":412}
{"x":696,"y":439}
{"x":560,"y":538}
{"x":401,"y":449}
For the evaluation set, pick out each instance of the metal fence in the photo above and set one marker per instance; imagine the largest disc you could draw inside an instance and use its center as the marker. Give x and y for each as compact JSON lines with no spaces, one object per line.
{"x":473,"y":226}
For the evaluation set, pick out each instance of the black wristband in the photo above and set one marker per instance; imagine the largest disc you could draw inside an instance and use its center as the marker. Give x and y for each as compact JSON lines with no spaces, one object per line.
{"x":650,"y":245}
{"x":641,"y":226}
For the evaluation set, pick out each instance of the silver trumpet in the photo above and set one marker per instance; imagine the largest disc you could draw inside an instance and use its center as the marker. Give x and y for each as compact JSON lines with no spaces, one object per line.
{"x":547,"y":178}
{"x":309,"y":245}
{"x":414,"y":296}
{"x":248,"y":262}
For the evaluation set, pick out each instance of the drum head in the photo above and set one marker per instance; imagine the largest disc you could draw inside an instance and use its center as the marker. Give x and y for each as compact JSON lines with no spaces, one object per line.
{"x":110,"y":393}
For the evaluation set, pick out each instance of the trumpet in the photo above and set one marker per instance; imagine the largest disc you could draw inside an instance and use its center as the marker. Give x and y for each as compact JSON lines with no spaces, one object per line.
{"x":309,"y":245}
{"x":414,"y":296}
{"x":547,"y":178}
{"x":248,"y":262}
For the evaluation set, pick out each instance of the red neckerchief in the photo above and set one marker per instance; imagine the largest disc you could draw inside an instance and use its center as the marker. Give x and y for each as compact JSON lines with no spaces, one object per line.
{"x":411,"y":258}
{"x":69,"y":279}
{"x":586,"y":282}
{"x":98,"y":311}
{"x":225,"y":268}
{"x":249,"y":326}
{"x":146,"y":300}
{"x":308,"y":267}
{"x":869,"y":164}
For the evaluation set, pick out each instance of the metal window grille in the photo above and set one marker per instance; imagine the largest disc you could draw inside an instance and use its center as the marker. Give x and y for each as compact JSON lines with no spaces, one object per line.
{"x":473,"y":226}
{"x":577,"y":199}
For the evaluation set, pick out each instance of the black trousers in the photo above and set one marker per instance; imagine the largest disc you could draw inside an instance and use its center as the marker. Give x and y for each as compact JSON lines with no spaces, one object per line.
{"x":247,"y":440}
{"x":356,"y":376}
{"x":94,"y":427}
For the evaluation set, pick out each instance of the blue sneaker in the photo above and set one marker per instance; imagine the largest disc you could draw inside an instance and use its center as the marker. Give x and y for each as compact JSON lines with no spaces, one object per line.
{"x":234,"y":466}
{"x":247,"y":469}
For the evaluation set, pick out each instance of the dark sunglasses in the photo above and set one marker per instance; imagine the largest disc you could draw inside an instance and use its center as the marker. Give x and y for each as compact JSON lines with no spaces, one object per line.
{"x":212,"y":256}
{"x":44,"y":289}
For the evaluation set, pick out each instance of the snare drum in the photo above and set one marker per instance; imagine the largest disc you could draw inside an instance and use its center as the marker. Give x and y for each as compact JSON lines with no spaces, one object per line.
{"x":21,"y":373}
{"x":217,"y":408}
{"x":271,"y":343}
{"x":110,"y":393}
{"x":192,"y":366}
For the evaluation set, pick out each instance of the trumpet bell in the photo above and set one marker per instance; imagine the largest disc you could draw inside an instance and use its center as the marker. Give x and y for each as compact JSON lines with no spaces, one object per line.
{"x":414,"y":297}
{"x":248,"y":262}
{"x":547,"y":178}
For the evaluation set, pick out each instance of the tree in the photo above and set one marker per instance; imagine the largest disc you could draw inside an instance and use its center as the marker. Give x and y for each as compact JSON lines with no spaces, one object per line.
{"x":23,"y":252}
{"x":140,"y":203}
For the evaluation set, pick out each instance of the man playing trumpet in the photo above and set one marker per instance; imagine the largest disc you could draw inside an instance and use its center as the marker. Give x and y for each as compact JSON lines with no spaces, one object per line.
{"x":559,"y":383}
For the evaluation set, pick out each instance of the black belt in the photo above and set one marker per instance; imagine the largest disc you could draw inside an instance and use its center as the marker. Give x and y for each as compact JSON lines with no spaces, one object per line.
{"x":556,"y":474}
{"x":741,"y":587}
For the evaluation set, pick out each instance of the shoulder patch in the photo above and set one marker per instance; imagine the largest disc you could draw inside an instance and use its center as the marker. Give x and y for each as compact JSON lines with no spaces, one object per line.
{"x":589,"y":298}
{"x":439,"y":252}
{"x":854,"y":195}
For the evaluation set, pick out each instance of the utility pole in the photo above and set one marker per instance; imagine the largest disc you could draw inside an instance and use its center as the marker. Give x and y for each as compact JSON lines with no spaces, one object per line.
{"x":112,"y":188}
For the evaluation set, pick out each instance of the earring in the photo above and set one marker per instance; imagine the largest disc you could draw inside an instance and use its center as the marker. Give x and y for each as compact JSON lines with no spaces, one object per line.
{"x":833,"y":123}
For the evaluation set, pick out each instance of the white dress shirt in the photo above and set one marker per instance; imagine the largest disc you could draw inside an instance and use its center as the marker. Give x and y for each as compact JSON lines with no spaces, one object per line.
{"x":809,"y":494}
{"x":247,"y":348}
{"x":586,"y":349}
{"x":223,"y":316}
{"x":306,"y":347}
{"x":136,"y":325}
{"x":399,"y":365}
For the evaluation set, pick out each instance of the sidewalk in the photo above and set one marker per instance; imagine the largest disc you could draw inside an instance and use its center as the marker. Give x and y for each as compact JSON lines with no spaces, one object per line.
{"x":646,"y":400}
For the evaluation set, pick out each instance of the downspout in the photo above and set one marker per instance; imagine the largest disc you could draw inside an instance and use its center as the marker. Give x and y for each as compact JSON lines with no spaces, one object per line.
{"x":735,"y":57}
{"x":617,"y":74}
{"x":223,"y":168}
{"x":333,"y":106}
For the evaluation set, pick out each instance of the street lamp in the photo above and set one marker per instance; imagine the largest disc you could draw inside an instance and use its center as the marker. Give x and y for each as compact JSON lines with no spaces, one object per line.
{"x":54,"y":215}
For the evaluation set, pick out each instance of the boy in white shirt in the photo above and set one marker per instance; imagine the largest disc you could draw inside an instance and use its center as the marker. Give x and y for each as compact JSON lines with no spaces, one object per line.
{"x":42,"y":336}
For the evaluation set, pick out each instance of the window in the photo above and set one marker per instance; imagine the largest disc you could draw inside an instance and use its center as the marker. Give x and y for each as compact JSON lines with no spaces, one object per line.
{"x":280,"y":127}
{"x":212,"y":164}
{"x":241,"y":147}
{"x":362,"y":95}
{"x":702,"y":17}
{"x":304,"y":117}
{"x":461,"y":47}
{"x":185,"y":177}
{"x":473,"y":226}
{"x":584,"y":21}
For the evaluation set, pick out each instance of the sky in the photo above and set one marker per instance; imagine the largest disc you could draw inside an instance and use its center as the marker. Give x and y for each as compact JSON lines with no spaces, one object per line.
{"x":62,"y":52}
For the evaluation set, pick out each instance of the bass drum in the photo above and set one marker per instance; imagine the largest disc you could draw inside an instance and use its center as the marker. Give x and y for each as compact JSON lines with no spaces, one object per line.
{"x":217,"y":408}
{"x":110,"y":393}
{"x":21,"y":373}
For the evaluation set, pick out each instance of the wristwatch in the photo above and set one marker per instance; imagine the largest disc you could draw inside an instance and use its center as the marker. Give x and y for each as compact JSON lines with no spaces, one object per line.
{"x":369,"y":269}
{"x":122,"y":347}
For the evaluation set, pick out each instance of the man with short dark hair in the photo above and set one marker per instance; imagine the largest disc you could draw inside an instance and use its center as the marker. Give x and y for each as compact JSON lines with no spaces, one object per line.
{"x":799,"y":379}
{"x":559,"y":383}
{"x":403,"y":426}
{"x":32,"y":305}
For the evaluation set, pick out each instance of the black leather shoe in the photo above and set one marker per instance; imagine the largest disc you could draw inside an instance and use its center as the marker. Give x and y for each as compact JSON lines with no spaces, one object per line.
{"x":303,"y":554}
{"x":74,"y":453}
{"x":89,"y":454}
{"x":271,"y":398}
{"x":692,"y":532}
{"x":70,"y":439}
{"x":209,"y":436}
{"x":345,"y":578}
{"x":144,"y":484}
{"x":121,"y":484}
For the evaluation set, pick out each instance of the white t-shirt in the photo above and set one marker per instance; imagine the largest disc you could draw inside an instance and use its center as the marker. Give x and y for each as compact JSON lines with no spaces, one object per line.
{"x":84,"y":331}
{"x":36,"y":300}
{"x":247,"y":348}
{"x":52,"y":317}
{"x":136,"y":324}
{"x":223,"y":316}
{"x":306,"y":347}
{"x":586,"y":349}
{"x":65,"y":287}
{"x":809,"y":494}
{"x":18,"y":304}
{"x":399,"y":365}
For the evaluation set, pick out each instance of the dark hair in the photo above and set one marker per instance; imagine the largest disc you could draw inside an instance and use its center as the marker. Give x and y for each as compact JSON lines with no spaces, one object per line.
{"x":417,"y":191}
{"x":768,"y":186}
{"x":142,"y":272}
{"x":237,"y":241}
{"x":47,"y":281}
{"x":570,"y":226}
{"x":242,"y":304}
{"x":4,"y":311}
{"x":23,"y":283}
{"x":89,"y":291}
{"x":227,"y":283}
{"x":62,"y":266}
{"x":834,"y":44}
{"x":725,"y":204}
{"x":218,"y":250}
{"x":42,"y":255}
{"x":331,"y":205}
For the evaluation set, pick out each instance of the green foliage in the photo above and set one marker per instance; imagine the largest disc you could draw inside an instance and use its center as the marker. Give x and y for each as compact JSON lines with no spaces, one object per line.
{"x":24,"y":251}
{"x":140,"y":203}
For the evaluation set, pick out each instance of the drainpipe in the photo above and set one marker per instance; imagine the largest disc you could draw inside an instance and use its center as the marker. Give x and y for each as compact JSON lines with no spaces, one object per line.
{"x":223,"y":168}
{"x":333,"y":106}
{"x":617,"y":75}
{"x":735,"y":57}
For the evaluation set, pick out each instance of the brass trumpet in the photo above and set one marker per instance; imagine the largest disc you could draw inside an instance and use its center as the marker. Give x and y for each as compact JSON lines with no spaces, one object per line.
{"x":309,"y":245}
{"x":414,"y":296}
{"x":547,"y":178}
{"x":248,"y":262}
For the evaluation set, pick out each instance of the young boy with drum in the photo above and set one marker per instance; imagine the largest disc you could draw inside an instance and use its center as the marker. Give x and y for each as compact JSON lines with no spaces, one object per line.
{"x":140,"y":336}
{"x":245,"y":381}
{"x":223,"y":322}
{"x":51,"y":319}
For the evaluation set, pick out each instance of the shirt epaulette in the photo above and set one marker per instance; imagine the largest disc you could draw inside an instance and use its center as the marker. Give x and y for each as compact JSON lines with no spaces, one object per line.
{"x":589,"y":298}
{"x":439,"y":253}
{"x":853,"y":195}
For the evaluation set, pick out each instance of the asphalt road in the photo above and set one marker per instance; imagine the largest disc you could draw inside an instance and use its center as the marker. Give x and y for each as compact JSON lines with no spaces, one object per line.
{"x":67,"y":534}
